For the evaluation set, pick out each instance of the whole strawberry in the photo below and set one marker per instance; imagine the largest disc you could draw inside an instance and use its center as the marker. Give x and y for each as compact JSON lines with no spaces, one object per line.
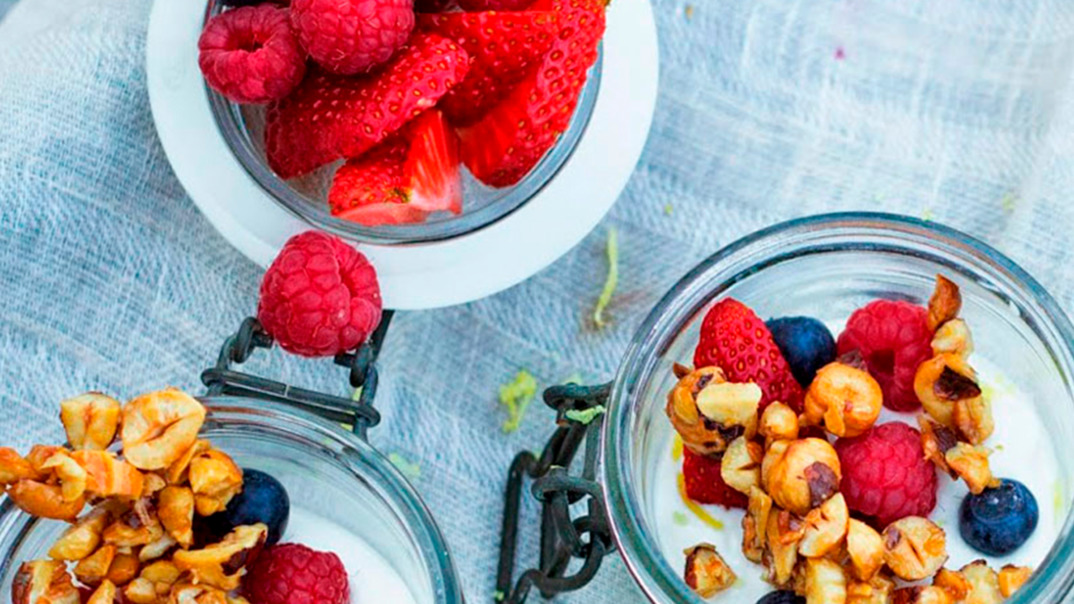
{"x":505,"y":5}
{"x":704,"y":481}
{"x":320,"y":297}
{"x":295,"y":574}
{"x":331,"y":117}
{"x":250,"y":54}
{"x":352,"y":36}
{"x":736,"y":340}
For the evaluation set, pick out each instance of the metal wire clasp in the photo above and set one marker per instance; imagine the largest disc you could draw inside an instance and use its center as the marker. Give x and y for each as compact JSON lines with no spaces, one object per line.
{"x":563,"y":537}
{"x":222,"y":379}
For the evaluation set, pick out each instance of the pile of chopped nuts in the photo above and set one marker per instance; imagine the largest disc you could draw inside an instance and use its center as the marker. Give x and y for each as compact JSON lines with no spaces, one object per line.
{"x":797,"y":524}
{"x":135,"y":543}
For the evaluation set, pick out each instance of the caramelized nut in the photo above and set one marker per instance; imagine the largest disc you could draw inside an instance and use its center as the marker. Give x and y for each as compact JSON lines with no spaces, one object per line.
{"x":14,"y":468}
{"x":176,"y":512}
{"x":104,"y":594}
{"x":40,"y":454}
{"x":754,"y":525}
{"x":782,"y":554}
{"x":152,"y":483}
{"x":877,"y":590}
{"x":914,"y":548}
{"x":1012,"y":578}
{"x":222,"y":564}
{"x":942,"y":381}
{"x":740,"y":467}
{"x":865,"y":549}
{"x":800,"y":475}
{"x":953,"y":582}
{"x":973,"y":418}
{"x":936,"y":441}
{"x":43,"y":582}
{"x":93,"y":568}
{"x":984,"y":583}
{"x":187,"y":593}
{"x":124,"y":568}
{"x":44,"y":500}
{"x":159,"y":427}
{"x":778,"y":422}
{"x":844,"y":399}
{"x":156,"y":549}
{"x":825,"y":528}
{"x":90,"y":420}
{"x":953,"y":337}
{"x":825,"y":582}
{"x":698,"y":434}
{"x":71,"y":475}
{"x":81,"y":539}
{"x":732,"y":406}
{"x":137,"y":527}
{"x":945,"y":302}
{"x":178,"y":472}
{"x":706,"y":571}
{"x":214,"y":479}
{"x":971,"y":464}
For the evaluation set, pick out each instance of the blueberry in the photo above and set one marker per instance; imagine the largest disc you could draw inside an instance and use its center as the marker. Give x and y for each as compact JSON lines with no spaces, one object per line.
{"x":999,"y":520}
{"x":781,"y":597}
{"x":805,"y":342}
{"x":263,"y":499}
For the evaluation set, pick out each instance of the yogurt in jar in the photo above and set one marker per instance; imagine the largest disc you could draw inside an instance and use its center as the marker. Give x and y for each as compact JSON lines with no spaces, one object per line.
{"x":1022,"y":450}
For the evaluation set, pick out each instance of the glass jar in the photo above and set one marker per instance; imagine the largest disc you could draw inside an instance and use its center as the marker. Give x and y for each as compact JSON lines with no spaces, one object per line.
{"x":242,"y":127}
{"x":825,"y":267}
{"x":330,"y":473}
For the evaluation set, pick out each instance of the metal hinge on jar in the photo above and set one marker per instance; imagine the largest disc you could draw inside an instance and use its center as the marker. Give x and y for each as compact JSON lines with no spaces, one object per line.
{"x":586,"y":537}
{"x":358,"y":413}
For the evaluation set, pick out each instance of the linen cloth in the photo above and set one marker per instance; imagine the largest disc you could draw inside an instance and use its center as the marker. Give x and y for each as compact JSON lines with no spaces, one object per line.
{"x":962,"y":111}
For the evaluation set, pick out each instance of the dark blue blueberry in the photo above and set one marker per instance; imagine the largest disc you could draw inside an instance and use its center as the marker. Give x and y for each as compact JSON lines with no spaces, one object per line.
{"x":999,"y":520}
{"x":805,"y":342}
{"x":781,"y":597}
{"x":263,"y":499}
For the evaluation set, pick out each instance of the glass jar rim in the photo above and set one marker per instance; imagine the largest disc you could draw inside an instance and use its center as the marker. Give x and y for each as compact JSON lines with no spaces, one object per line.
{"x":228,"y":118}
{"x":414,"y":514}
{"x":1053,"y":580}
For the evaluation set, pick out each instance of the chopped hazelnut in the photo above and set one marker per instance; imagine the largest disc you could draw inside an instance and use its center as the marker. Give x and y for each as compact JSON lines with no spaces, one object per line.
{"x":82,"y":538}
{"x":91,"y":569}
{"x":740,"y":467}
{"x":914,"y":548}
{"x":706,"y":571}
{"x":754,"y":525}
{"x":782,"y":554}
{"x":942,"y":381}
{"x":825,"y":528}
{"x":124,"y":568}
{"x":984,"y":583}
{"x":973,"y":418}
{"x":104,"y":594}
{"x":800,"y":475}
{"x":865,"y":548}
{"x":221,"y":564}
{"x":778,"y":422}
{"x":733,"y":406}
{"x":90,"y":420}
{"x":877,"y":590}
{"x":825,"y":582}
{"x":157,"y":428}
{"x":971,"y":464}
{"x":43,"y":582}
{"x":1012,"y":578}
{"x":699,"y":434}
{"x":944,"y":304}
{"x":844,"y":399}
{"x":936,"y":440}
{"x":953,"y":337}
{"x":953,"y":582}
{"x":14,"y":468}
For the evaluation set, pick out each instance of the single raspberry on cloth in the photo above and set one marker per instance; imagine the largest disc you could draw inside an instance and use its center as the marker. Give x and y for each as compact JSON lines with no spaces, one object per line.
{"x":736,"y":340}
{"x":320,"y":297}
{"x":348,"y":37}
{"x":250,"y":54}
{"x":885,"y":474}
{"x":295,"y":574}
{"x":704,"y":483}
{"x":893,"y":338}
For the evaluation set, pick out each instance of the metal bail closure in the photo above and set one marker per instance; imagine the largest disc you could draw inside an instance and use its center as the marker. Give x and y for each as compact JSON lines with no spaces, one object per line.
{"x":579,"y":414}
{"x":358,"y":413}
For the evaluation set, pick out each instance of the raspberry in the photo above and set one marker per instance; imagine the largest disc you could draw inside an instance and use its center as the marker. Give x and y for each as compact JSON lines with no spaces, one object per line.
{"x":885,"y":474}
{"x":704,"y":483}
{"x":352,"y":36}
{"x":734,"y":339}
{"x":320,"y":297}
{"x":295,"y":574}
{"x":502,"y":5}
{"x":250,"y":54}
{"x":894,"y":339}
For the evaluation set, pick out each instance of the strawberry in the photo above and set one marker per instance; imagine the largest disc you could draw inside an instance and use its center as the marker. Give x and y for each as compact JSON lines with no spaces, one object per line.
{"x":736,"y":340}
{"x":704,"y":482}
{"x":402,"y":179}
{"x":330,"y":117}
{"x":477,"y":5}
{"x":511,"y":138}
{"x":503,"y":48}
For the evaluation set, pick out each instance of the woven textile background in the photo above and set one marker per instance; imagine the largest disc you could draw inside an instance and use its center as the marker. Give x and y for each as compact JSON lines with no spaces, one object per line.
{"x":962,"y":111}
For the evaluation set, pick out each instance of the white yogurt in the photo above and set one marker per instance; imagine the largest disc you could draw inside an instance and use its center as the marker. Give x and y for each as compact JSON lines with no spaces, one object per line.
{"x":372,"y":579}
{"x":1022,"y":450}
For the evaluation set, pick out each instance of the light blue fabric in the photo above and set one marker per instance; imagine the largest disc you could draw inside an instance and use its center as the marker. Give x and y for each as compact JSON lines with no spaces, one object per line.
{"x":110,"y":279}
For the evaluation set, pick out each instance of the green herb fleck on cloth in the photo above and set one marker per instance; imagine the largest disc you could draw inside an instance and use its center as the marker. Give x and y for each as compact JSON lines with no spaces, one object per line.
{"x":357,"y":394}
{"x":498,"y":595}
{"x":574,"y":378}
{"x":516,"y":395}
{"x":927,"y":215}
{"x":1009,"y":202}
{"x":668,"y":209}
{"x":680,"y":518}
{"x":611,"y":282}
{"x":409,"y":469}
{"x":585,"y":416}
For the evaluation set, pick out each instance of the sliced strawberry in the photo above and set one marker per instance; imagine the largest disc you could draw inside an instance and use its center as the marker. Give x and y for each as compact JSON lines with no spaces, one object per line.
{"x":432,"y":165}
{"x":513,"y":137}
{"x":704,"y":481}
{"x":330,"y":117}
{"x":403,"y":179}
{"x":503,"y":47}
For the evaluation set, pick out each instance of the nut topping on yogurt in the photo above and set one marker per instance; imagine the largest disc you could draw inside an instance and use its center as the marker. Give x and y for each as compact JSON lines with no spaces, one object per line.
{"x":851,"y":523}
